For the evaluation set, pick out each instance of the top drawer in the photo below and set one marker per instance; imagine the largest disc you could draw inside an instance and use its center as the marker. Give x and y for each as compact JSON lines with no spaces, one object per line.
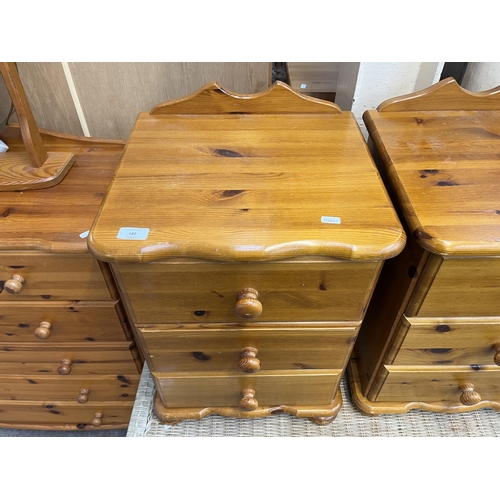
{"x":464,"y":287}
{"x":51,"y":277}
{"x":312,"y":290}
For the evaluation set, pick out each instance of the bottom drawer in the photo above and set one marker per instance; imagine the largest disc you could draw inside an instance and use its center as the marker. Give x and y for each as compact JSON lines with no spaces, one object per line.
{"x":77,"y":388}
{"x":59,"y":415}
{"x":271,"y":388}
{"x":427,"y":384}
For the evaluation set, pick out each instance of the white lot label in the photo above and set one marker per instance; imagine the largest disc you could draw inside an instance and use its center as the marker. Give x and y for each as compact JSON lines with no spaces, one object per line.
{"x":132,"y":233}
{"x":330,"y":220}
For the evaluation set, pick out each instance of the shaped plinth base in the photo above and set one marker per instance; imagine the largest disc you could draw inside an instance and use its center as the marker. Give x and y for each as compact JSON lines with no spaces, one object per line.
{"x":374,"y":408}
{"x":320,"y":415}
{"x":17,"y":173}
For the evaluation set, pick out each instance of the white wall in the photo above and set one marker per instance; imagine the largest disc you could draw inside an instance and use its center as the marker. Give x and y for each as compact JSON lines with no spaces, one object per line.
{"x":481,"y":76}
{"x":377,"y":82}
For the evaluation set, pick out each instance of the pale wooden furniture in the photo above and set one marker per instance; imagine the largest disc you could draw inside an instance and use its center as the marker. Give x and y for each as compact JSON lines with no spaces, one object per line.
{"x":67,"y":358}
{"x":431,"y":335}
{"x":315,"y":79}
{"x":246,"y":233}
{"x":35,"y":167}
{"x":108,"y":96}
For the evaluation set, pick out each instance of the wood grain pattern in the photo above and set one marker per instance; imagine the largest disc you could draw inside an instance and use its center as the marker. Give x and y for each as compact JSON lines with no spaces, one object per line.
{"x":319,"y":414}
{"x":437,"y":151}
{"x":63,"y":415}
{"x":449,"y":341}
{"x":289,"y":291}
{"x":233,"y":193}
{"x":272,"y":388}
{"x":446,"y":160}
{"x":211,"y":350}
{"x":53,"y":277}
{"x":113,"y":94}
{"x":52,"y":220}
{"x":52,"y":341}
{"x":372,"y":408}
{"x":432,"y":384}
{"x":464,"y":287}
{"x":75,"y":321}
{"x":97,"y":359}
{"x":230,"y":177}
{"x":57,"y":388}
{"x":446,"y":95}
{"x":31,"y":136}
{"x":213,"y":99}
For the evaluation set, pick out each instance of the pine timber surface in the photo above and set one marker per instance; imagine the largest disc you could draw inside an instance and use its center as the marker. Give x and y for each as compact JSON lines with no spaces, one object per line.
{"x":246,"y":186}
{"x":230,"y":193}
{"x":430,"y":338}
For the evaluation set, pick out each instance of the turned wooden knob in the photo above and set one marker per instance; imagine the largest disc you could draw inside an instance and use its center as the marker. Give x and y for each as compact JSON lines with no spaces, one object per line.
{"x":249,"y":363}
{"x":83,"y":397}
{"x":248,"y":306}
{"x":469,"y":395}
{"x":97,"y":420}
{"x":65,"y":368}
{"x":15,"y":284}
{"x":248,"y":402}
{"x":43,"y":331}
{"x":496,"y":357}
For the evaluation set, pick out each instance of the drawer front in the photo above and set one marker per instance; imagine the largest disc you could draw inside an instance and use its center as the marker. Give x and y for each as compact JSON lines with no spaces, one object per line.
{"x":271,"y":389}
{"x":464,"y":287}
{"x":44,"y":322}
{"x":51,"y":277}
{"x":67,"y":415}
{"x":450,"y":341}
{"x":82,"y":389}
{"x":66,"y":360}
{"x":258,"y":348}
{"x":287,"y":291}
{"x":434,"y":385}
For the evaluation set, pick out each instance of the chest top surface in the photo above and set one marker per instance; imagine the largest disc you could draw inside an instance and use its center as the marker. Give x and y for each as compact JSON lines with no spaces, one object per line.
{"x":52,"y":219}
{"x":441,"y":151}
{"x":246,"y":178}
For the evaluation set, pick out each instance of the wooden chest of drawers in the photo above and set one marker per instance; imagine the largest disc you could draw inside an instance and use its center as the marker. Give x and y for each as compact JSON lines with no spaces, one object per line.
{"x":431,"y":337}
{"x":247,"y":234}
{"x":67,"y":357}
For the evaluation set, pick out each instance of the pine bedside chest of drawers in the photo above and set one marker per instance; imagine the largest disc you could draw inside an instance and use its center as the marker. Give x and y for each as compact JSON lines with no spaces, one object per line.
{"x":67,"y":358}
{"x":431,"y":336}
{"x":247,"y":233}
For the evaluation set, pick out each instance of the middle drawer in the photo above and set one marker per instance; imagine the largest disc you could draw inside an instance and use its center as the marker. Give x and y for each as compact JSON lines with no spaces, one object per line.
{"x":203,"y":348}
{"x":66,"y":359}
{"x":450,"y":341}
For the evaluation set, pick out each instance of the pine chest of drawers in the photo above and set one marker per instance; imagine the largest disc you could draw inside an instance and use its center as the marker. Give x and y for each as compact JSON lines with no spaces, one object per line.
{"x":247,"y":234}
{"x":431,"y":337}
{"x":67,"y":357}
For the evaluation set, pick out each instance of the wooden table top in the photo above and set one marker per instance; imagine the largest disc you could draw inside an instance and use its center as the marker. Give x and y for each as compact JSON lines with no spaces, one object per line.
{"x":52,"y":219}
{"x":227,"y":177}
{"x":442,"y":156}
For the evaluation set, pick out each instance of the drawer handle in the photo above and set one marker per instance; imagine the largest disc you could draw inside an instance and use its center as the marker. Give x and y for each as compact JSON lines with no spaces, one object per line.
{"x":469,"y":395}
{"x":65,"y":368}
{"x":15,"y":284}
{"x":496,"y":357}
{"x":248,"y":306}
{"x":83,"y":397}
{"x":43,"y":331}
{"x":249,"y":363}
{"x":97,"y":420}
{"x":248,"y":402}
